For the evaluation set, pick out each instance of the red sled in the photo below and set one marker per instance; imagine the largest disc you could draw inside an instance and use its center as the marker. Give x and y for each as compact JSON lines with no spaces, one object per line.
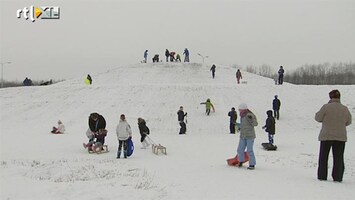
{"x":235,"y":161}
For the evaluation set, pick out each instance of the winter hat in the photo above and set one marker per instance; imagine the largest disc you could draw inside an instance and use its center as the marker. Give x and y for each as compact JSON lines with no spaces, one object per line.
{"x":243,"y":106}
{"x":269,"y":113}
{"x":233,"y":108}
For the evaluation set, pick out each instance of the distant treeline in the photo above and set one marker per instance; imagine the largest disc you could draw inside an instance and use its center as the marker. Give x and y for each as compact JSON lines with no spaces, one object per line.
{"x":20,"y":83}
{"x":311,"y":74}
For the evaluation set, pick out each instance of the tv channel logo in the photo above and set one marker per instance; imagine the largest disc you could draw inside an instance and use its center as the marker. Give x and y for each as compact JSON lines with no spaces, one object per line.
{"x":42,"y":12}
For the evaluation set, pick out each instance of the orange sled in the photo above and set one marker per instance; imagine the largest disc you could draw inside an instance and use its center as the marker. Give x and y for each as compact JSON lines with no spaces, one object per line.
{"x":235,"y":161}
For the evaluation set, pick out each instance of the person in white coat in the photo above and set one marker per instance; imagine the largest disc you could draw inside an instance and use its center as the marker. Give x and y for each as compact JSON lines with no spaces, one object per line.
{"x":60,"y":129}
{"x":123,"y":132}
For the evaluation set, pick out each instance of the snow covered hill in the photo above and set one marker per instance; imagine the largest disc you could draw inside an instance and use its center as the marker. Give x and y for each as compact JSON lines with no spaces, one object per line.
{"x":38,"y":165}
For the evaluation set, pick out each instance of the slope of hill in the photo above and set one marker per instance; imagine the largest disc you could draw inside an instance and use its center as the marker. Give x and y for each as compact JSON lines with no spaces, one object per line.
{"x":38,"y":165}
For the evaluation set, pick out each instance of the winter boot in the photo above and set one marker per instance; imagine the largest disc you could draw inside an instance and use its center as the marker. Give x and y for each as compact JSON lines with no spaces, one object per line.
{"x":251,"y":167}
{"x":118,"y":154}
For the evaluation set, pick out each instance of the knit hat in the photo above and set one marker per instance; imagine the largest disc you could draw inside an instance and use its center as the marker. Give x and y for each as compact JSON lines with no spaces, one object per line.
{"x":243,"y":106}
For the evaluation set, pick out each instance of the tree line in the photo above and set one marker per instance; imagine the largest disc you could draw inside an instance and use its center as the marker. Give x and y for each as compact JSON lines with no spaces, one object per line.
{"x":311,"y":74}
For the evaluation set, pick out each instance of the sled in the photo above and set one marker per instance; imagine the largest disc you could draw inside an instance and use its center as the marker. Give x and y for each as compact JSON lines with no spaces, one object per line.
{"x":269,"y":147}
{"x":157,"y":148}
{"x":235,"y":161}
{"x":130,"y":147}
{"x":98,"y":149}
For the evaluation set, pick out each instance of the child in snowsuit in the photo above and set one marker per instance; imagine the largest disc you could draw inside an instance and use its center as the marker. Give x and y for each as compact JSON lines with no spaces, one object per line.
{"x":270,"y":126}
{"x":144,"y":131}
{"x":123,"y":132}
{"x":60,"y":129}
{"x":209,"y":105}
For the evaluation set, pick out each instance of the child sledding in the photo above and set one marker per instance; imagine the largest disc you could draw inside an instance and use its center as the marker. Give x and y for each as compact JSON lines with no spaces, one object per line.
{"x":60,"y":129}
{"x":96,"y":134}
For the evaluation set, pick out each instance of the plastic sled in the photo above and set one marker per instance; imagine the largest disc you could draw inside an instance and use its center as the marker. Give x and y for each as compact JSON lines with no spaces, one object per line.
{"x":235,"y":161}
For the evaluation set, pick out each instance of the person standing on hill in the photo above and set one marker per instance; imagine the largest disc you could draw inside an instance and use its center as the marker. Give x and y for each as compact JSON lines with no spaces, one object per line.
{"x":281,"y":75}
{"x":238,"y":75}
{"x":209,"y":105}
{"x":181,"y":115}
{"x":145,"y":56}
{"x":334,"y":117}
{"x":233,"y":120}
{"x":123,"y":132}
{"x":213,"y":69}
{"x":276,"y":103}
{"x":270,"y":126}
{"x":167,"y":54}
{"x":187,"y":55}
{"x":247,"y":135}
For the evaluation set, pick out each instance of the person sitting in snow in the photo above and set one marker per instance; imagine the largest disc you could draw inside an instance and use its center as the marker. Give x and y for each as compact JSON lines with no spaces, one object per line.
{"x":144,"y":131}
{"x":96,"y":123}
{"x":270,"y":126}
{"x":209,"y":105}
{"x":60,"y":129}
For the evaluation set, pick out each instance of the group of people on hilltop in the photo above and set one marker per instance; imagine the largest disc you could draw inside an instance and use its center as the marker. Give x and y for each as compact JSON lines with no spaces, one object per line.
{"x":27,"y":82}
{"x":169,"y":56}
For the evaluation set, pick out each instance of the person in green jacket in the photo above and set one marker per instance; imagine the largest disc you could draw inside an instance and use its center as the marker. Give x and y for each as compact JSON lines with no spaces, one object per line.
{"x":209,"y":105}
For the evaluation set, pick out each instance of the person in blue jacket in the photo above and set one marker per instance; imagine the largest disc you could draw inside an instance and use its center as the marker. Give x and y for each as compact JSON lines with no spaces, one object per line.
{"x":187,"y":55}
{"x":145,"y":56}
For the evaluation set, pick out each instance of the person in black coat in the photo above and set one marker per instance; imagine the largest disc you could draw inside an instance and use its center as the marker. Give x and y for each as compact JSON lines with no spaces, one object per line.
{"x":213,"y":69}
{"x":233,"y":120}
{"x":167,"y":54}
{"x":96,"y":123}
{"x":281,"y":75}
{"x":276,"y":103}
{"x":270,"y":126}
{"x":181,"y":116}
{"x":144,"y":131}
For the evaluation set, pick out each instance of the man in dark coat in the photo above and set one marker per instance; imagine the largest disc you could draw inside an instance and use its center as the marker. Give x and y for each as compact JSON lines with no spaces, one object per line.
{"x":276,"y":103}
{"x":96,"y":123}
{"x":213,"y":69}
{"x":281,"y":75}
{"x":167,"y":54}
{"x":181,"y":116}
{"x":233,"y":120}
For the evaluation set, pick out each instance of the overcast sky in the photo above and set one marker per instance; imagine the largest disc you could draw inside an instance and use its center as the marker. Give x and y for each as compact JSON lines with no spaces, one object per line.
{"x":95,"y":35}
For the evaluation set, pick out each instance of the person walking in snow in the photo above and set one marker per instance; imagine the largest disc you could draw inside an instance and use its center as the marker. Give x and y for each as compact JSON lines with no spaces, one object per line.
{"x":281,"y":75}
{"x":178,"y":58}
{"x":334,"y":117}
{"x":238,"y":75}
{"x":181,"y":115}
{"x":89,"y":79}
{"x":209,"y":105}
{"x":167,"y":54}
{"x":145,"y":56}
{"x":187,"y":55}
{"x":144,"y":131}
{"x":96,"y":123}
{"x":276,"y":103}
{"x":233,"y":120}
{"x":247,"y":135}
{"x":270,"y":126}
{"x":123,"y":132}
{"x":213,"y":70}
{"x":60,"y":129}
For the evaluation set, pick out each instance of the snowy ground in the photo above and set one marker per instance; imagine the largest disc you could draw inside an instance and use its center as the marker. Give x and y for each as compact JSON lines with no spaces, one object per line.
{"x":35,"y":164}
